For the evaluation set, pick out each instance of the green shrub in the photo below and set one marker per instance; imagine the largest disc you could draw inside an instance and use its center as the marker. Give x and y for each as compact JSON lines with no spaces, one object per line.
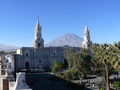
{"x":117,"y":84}
{"x":57,"y":66}
{"x":74,"y":74}
{"x":68,"y":76}
{"x":101,"y":86}
{"x":61,"y":73}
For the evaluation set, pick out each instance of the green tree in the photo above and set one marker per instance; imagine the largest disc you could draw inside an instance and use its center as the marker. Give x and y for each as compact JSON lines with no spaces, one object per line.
{"x":71,"y":74}
{"x":69,"y":56}
{"x":80,"y":62}
{"x":102,"y":54}
{"x":68,"y":76}
{"x":105,"y":55}
{"x":57,"y":66}
{"x":116,"y":55}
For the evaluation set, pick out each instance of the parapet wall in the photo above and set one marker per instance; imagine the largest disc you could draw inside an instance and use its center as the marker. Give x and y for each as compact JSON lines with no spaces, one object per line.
{"x":20,"y":83}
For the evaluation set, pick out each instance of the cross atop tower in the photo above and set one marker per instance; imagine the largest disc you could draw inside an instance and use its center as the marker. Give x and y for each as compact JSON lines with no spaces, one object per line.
{"x":86,"y":23}
{"x":38,"y":18}
{"x":86,"y":27}
{"x":37,"y":25}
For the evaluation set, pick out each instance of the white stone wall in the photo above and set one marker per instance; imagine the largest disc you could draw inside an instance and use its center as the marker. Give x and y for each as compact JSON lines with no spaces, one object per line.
{"x":20,"y":83}
{"x":18,"y":51}
{"x":43,"y":56}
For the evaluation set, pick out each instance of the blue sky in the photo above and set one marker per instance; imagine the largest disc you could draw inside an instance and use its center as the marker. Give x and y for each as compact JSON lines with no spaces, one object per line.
{"x":57,"y":17}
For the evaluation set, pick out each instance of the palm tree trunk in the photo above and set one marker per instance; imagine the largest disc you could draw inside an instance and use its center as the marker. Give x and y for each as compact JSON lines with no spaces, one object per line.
{"x":107,"y":77}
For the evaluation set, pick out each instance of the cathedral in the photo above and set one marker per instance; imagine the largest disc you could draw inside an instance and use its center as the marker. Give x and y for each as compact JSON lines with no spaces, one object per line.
{"x":36,"y":58}
{"x":39,"y":56}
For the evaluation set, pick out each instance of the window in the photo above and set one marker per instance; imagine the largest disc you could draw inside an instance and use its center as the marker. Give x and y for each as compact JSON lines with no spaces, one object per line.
{"x":27,"y":65}
{"x":38,"y":29}
{"x":10,"y":64}
{"x":84,"y":46}
{"x":88,"y":45}
{"x":39,"y":61}
{"x":26,"y":54}
{"x":39,"y":45}
{"x":54,"y":54}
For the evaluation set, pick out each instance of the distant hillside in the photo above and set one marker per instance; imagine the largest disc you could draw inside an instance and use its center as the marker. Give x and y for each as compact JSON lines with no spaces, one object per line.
{"x":7,"y":48}
{"x":66,"y":39}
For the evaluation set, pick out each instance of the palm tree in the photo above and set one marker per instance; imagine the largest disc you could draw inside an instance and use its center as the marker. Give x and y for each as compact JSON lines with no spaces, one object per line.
{"x":108,"y":55}
{"x":105,"y":59}
{"x":116,"y":55}
{"x":103,"y":55}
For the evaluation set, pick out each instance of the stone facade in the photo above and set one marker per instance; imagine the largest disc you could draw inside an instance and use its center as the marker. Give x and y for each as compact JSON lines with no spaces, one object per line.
{"x":38,"y":55}
{"x":33,"y":58}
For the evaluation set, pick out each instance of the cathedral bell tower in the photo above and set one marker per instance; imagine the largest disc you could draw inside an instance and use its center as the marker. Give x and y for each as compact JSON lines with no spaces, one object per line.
{"x":38,"y":41}
{"x":86,"y":43}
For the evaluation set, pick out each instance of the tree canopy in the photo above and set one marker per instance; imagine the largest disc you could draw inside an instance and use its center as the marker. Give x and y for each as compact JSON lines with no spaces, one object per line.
{"x":57,"y":66}
{"x":79,"y":61}
{"x":108,"y":56}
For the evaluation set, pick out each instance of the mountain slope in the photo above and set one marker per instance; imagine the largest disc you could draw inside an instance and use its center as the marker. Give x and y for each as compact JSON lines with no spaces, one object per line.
{"x":66,"y":39}
{"x":7,"y":47}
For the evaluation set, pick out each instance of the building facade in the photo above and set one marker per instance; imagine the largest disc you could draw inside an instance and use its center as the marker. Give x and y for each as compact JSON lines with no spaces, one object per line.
{"x":38,"y":55}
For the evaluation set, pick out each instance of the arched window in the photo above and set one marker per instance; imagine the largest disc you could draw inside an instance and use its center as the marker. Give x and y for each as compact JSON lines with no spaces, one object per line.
{"x":65,"y":62}
{"x":38,"y":30}
{"x":39,"y":45}
{"x":39,"y":61}
{"x":84,"y":46}
{"x":27,"y":65}
{"x":88,"y":45}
